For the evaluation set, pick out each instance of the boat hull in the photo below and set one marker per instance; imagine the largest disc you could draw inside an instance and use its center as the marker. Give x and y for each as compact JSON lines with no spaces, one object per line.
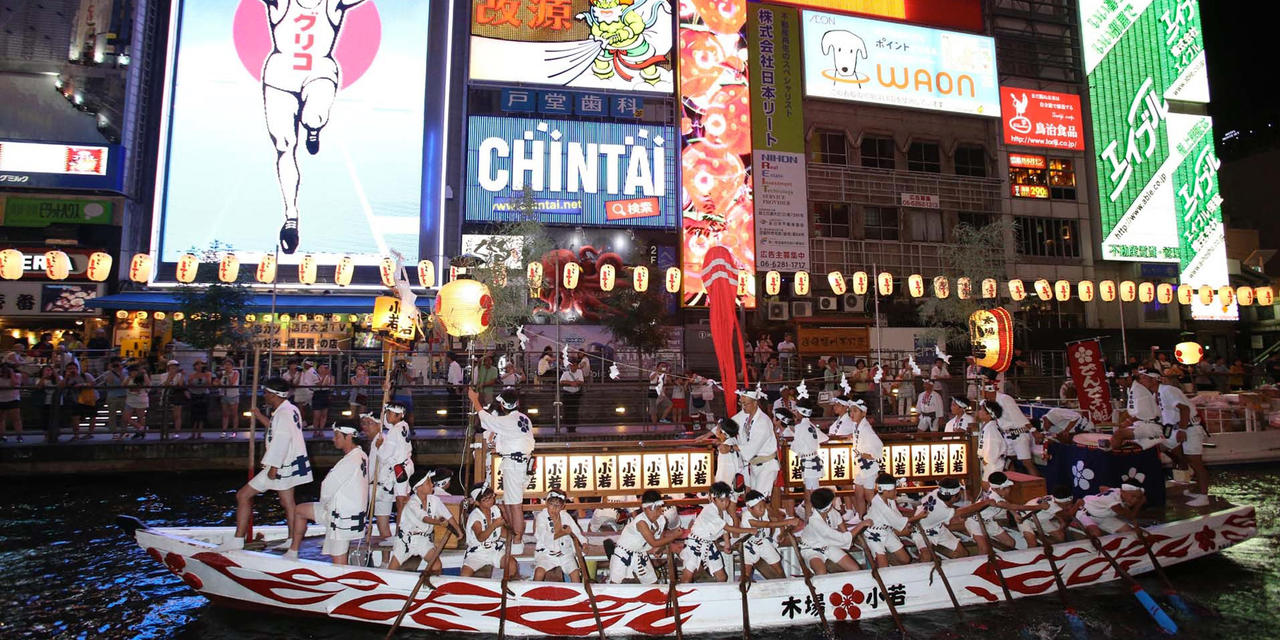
{"x":267,"y":581}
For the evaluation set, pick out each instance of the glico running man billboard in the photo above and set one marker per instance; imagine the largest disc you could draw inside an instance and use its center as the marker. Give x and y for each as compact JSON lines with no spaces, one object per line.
{"x":577,"y":173}
{"x":294,"y":124}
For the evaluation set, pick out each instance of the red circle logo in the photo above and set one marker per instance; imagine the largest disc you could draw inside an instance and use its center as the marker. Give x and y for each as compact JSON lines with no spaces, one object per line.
{"x":356,"y":46}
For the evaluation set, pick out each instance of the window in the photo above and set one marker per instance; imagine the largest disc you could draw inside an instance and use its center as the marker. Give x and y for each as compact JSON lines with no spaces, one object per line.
{"x":1062,"y":179}
{"x":1039,"y":177}
{"x":1155,"y":312}
{"x":1266,"y":313}
{"x":926,"y":226}
{"x":830,"y":147}
{"x":924,"y":156}
{"x":1047,"y":238}
{"x":881,"y":223}
{"x":878,"y":153}
{"x":975,"y":219}
{"x":971,"y":161}
{"x":832,"y":219}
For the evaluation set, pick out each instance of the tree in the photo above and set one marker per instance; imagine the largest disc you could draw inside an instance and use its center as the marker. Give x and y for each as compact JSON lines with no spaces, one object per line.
{"x":632,"y":318}
{"x":213,"y":308}
{"x":978,"y":256}
{"x":505,"y":255}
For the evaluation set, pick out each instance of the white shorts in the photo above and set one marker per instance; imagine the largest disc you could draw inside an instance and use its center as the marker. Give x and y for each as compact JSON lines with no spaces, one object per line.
{"x":625,"y":564}
{"x":763,"y":476}
{"x":1108,"y":524}
{"x":926,"y":423}
{"x":546,"y":561}
{"x":942,"y":536}
{"x":699,"y":553}
{"x":1193,"y":445}
{"x":827,"y":554}
{"x":1049,"y":527}
{"x":811,"y":471}
{"x":418,"y":544}
{"x":765,"y":551}
{"x":334,"y":546}
{"x":480,"y":557}
{"x":1147,"y":434}
{"x":882,"y":540}
{"x":263,"y":484}
{"x":868,"y":471}
{"x":1020,"y":445}
{"x":515,"y":477}
{"x":384,"y":502}
{"x":976,"y":528}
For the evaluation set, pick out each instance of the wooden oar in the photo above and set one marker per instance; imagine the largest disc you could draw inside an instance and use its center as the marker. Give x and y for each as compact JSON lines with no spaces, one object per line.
{"x":993,"y":557}
{"x":808,"y":582}
{"x":506,"y":576}
{"x":673,"y":598}
{"x":875,"y":573}
{"x":366,"y":541}
{"x":1166,"y":623}
{"x":937,"y":566}
{"x":423,"y":578}
{"x":586,"y":584}
{"x":1073,"y":620}
{"x":744,"y":583}
{"x":1169,"y":591}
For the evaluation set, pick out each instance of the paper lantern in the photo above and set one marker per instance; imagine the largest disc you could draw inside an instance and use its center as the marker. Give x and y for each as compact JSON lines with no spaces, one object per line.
{"x":1043,"y":289}
{"x":1146,"y":292}
{"x":343,"y":271}
{"x":991,"y":337}
{"x":964,"y":288}
{"x":99,"y":268}
{"x":533,"y":274}
{"x":671,"y":279}
{"x":861,"y":282}
{"x":990,"y":288}
{"x":801,"y":283}
{"x":1244,"y":295}
{"x":1164,"y":293}
{"x":572,"y":272}
{"x":464,"y":307}
{"x":1017,"y":290}
{"x":141,"y":315}
{"x":915,"y":285}
{"x":1266,"y":296}
{"x":640,"y":278}
{"x":1206,"y":294}
{"x":427,"y":274}
{"x":1107,"y":290}
{"x":387,"y":269}
{"x":941,"y":287}
{"x":307,"y":269}
{"x":122,"y":314}
{"x":746,"y":283}
{"x":884,"y":283}
{"x":772,"y":283}
{"x":1128,"y":291}
{"x":1226,"y":295}
{"x":284,"y":318}
{"x":229,"y":268}
{"x":266,"y":271}
{"x":1185,"y":293}
{"x":188,"y":265}
{"x":57,"y":265}
{"x":159,"y":315}
{"x":1188,"y":353}
{"x":1062,"y":291}
{"x":838,"y":285}
{"x":178,"y":315}
{"x":608,"y":277}
{"x":11,"y":264}
{"x":1085,"y":290}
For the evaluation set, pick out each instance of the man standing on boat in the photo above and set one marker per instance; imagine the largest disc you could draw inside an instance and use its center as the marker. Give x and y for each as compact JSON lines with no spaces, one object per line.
{"x":514,"y":443}
{"x":760,"y":448}
{"x":1015,"y":426}
{"x":867,"y":451}
{"x":344,"y":501}
{"x":929,"y":408}
{"x":285,"y":464}
{"x":392,"y":455}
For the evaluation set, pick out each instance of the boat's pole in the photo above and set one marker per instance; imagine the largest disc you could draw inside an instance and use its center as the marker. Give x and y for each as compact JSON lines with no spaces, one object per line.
{"x":875,"y":573}
{"x":507,"y":559}
{"x":1166,"y":623}
{"x":423,"y":578}
{"x":994,"y":558}
{"x":1073,"y":620}
{"x":937,"y":566}
{"x":586,"y":584}
{"x":1169,"y":591}
{"x":808,"y":582}
{"x":253,"y":424}
{"x":673,"y":597}
{"x":744,"y":584}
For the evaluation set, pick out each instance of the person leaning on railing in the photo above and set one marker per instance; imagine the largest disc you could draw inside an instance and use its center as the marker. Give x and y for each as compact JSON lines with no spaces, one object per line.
{"x":10,"y":401}
{"x":112,"y":383}
{"x":137,"y":399}
{"x":228,"y":385}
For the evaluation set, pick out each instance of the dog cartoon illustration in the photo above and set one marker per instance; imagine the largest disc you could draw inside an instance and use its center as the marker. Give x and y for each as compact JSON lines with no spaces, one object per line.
{"x":845,"y":49}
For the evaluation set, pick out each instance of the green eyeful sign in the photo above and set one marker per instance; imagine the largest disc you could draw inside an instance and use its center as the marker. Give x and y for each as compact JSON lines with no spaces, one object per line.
{"x":42,"y":212}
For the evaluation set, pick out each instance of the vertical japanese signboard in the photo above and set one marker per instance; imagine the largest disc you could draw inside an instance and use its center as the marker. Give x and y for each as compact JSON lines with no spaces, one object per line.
{"x":1157,"y":170}
{"x":777,"y":129}
{"x":1090,"y":377}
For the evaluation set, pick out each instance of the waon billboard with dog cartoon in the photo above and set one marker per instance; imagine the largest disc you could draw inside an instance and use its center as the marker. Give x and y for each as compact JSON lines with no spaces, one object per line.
{"x":861,"y":60}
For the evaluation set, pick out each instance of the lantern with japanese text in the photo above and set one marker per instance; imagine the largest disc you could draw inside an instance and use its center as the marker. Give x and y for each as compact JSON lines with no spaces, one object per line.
{"x":884,"y":283}
{"x":387,"y":269}
{"x":1244,"y":295}
{"x":608,"y":277}
{"x":426,"y":274}
{"x":1107,"y":290}
{"x":307,"y":269}
{"x":1188,"y":353}
{"x":343,"y":271}
{"x":178,"y":316}
{"x":266,"y":272}
{"x":1206,"y":294}
{"x":1266,"y":296}
{"x":140,"y":268}
{"x":99,"y":268}
{"x":671,"y":279}
{"x":1226,"y":295}
{"x":838,"y":285}
{"x":800,"y":285}
{"x":229,"y":268}
{"x":640,"y":279}
{"x":187,"y":267}
{"x":964,"y":288}
{"x":1017,"y":290}
{"x":915,"y":285}
{"x":1085,"y":290}
{"x":746,"y":283}
{"x":1146,"y":292}
{"x":1128,"y":291}
{"x":990,"y":288}
{"x":772,"y":283}
{"x":572,"y":272}
{"x":533,"y":274}
{"x":1062,"y":290}
{"x":1185,"y":293}
{"x":464,"y":307}
{"x":1164,"y":293}
{"x":941,"y":287}
{"x":1043,"y":289}
{"x":11,"y":264}
{"x":991,"y":338}
{"x":861,"y":281}
{"x":391,"y":317}
{"x":57,"y":265}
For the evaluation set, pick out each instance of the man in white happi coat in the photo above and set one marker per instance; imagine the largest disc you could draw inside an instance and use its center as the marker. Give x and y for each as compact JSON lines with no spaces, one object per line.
{"x":285,"y":464}
{"x":1141,"y":424}
{"x":344,"y":501}
{"x":960,"y":420}
{"x":759,"y":446}
{"x":416,"y":528}
{"x":929,"y":408}
{"x":1015,"y":425}
{"x":391,"y":454}
{"x":513,"y":442}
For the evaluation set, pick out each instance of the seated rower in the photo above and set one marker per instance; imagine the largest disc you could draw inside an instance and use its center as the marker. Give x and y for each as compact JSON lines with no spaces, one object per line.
{"x":760,"y":552}
{"x":939,"y":511}
{"x":709,"y":536}
{"x":1111,"y":510}
{"x":485,"y":547}
{"x":982,"y":524}
{"x":888,"y":524}
{"x":823,"y":540}
{"x":1060,"y":510}
{"x":806,"y":439}
{"x":1140,"y":423}
{"x":643,"y":533}
{"x":416,"y":529}
{"x":554,"y":530}
{"x":343,"y":505}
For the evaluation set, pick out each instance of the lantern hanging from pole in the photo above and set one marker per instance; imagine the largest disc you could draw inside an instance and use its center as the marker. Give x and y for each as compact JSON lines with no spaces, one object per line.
{"x":941,"y":287}
{"x":1206,"y":294}
{"x":1128,"y":291}
{"x":608,"y":277}
{"x":671,"y":279}
{"x":387,"y":269}
{"x":990,"y":288}
{"x":533,"y":274}
{"x":1226,"y":295}
{"x":307,"y":269}
{"x":861,"y":282}
{"x":801,"y":283}
{"x":122,"y":315}
{"x":57,"y":265}
{"x":1017,"y":290}
{"x":572,"y":272}
{"x":1164,"y":293}
{"x":1266,"y":296}
{"x":266,"y":273}
{"x":746,"y":283}
{"x":464,"y":307}
{"x":772,"y":283}
{"x":964,"y":288}
{"x":991,"y":337}
{"x":915,"y":285}
{"x":1107,"y":290}
{"x":640,"y":279}
{"x":1185,"y":293}
{"x":1085,"y":290}
{"x":188,"y":264}
{"x":884,"y":283}
{"x":1062,"y":290}
{"x":838,"y":285}
{"x":343,"y":271}
{"x":178,"y":315}
{"x":1188,"y":353}
{"x":1146,"y":292}
{"x":229,"y":268}
{"x":99,"y":268}
{"x":1244,"y":295}
{"x":426,"y":274}
{"x":390,"y":316}
{"x":1043,"y":289}
{"x":11,"y":264}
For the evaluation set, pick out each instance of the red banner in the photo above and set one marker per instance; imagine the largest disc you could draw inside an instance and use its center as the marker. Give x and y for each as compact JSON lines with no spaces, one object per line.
{"x":1090,"y":377}
{"x":1041,"y":118}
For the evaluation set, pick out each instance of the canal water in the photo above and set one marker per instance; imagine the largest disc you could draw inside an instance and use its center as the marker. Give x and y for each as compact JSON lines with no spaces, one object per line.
{"x":66,"y":571}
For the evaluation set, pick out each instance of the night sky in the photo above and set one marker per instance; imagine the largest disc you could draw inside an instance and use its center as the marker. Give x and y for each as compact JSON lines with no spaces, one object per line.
{"x":1241,"y":41}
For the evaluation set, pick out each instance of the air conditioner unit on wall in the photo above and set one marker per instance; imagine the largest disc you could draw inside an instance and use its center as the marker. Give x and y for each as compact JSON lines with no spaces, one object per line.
{"x":779,"y":310}
{"x":801,"y":309}
{"x":828,"y":303}
{"x":854,"y":303}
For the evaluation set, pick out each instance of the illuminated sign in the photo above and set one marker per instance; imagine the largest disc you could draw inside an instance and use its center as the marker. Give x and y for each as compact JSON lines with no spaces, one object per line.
{"x":60,"y":166}
{"x":573,"y":43}
{"x":1024,"y":161}
{"x":953,"y":14}
{"x":42,"y":212}
{"x":933,"y":460}
{"x":304,"y":112}
{"x":1041,"y":118}
{"x":862,"y":60}
{"x":1157,"y":168}
{"x":1029,"y":191}
{"x":576,"y":173}
{"x":630,"y":473}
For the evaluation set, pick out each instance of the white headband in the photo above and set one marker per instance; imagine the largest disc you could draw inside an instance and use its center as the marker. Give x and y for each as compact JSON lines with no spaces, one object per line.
{"x":351,"y":431}
{"x":650,"y":505}
{"x":556,"y":493}
{"x":477,"y":492}
{"x":1128,"y":485}
{"x":803,"y":411}
{"x":1003,"y":485}
{"x":1066,"y":499}
{"x":430,"y":474}
{"x":888,"y":486}
{"x":841,"y":402}
{"x":755,"y":501}
{"x":861,"y":406}
{"x":943,"y":491}
{"x":282,"y":394}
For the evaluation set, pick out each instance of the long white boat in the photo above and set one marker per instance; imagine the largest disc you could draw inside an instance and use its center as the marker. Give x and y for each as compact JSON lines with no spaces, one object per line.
{"x":269,"y":582}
